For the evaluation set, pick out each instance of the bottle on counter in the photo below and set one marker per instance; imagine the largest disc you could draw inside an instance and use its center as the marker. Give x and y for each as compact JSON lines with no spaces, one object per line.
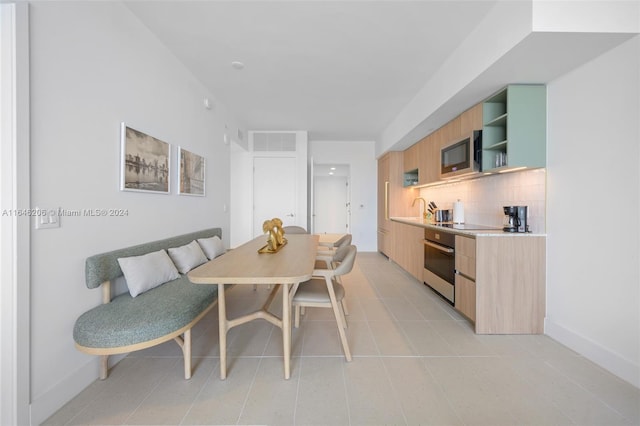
{"x":458,"y":212}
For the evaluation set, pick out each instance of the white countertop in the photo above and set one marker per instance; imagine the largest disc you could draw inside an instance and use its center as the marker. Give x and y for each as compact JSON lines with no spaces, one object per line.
{"x":423,"y":223}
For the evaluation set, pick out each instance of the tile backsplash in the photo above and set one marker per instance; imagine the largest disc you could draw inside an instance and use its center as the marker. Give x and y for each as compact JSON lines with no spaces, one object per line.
{"x":484,"y":197}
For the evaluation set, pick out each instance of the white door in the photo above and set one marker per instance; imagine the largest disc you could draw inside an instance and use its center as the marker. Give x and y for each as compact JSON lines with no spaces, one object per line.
{"x":331,"y":204}
{"x":274,"y":191}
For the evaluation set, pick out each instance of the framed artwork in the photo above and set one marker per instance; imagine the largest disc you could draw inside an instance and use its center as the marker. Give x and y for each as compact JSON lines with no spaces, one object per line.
{"x":145,"y":163}
{"x":191,"y":174}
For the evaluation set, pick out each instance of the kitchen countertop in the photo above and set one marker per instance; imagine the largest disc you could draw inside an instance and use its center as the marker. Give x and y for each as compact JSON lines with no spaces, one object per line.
{"x":418,"y":221}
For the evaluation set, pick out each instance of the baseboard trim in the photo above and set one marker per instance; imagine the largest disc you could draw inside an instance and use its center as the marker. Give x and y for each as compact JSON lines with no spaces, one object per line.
{"x":610,"y":361}
{"x":45,"y":405}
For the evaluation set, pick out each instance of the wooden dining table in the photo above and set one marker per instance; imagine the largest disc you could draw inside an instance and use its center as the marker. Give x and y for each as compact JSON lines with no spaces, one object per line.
{"x":285,"y":269}
{"x":331,"y":240}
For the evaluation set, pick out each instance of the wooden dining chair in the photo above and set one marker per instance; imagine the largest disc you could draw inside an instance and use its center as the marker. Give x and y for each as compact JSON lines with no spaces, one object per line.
{"x":324,"y":251}
{"x":324,"y":291}
{"x":330,"y":259}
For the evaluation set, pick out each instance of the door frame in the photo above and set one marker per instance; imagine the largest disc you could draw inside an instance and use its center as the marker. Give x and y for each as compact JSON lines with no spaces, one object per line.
{"x":14,"y":228}
{"x":319,"y":167}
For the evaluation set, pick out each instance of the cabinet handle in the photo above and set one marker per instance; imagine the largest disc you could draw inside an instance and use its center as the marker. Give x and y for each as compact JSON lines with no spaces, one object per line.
{"x":386,"y":200}
{"x":465,"y":276}
{"x":438,"y":247}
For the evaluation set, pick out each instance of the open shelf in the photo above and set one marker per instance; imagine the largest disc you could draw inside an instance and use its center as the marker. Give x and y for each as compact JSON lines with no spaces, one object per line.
{"x":499,"y":146}
{"x":498,"y":121}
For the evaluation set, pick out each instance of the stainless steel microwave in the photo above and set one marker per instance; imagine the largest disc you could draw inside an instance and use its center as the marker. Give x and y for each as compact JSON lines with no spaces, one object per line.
{"x":462,"y":156}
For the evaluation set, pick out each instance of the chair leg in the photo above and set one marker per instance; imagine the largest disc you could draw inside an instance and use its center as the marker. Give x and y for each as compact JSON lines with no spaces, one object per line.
{"x":343,"y":336}
{"x":296,"y":321}
{"x":344,"y":306}
{"x":337,"y":312}
{"x":342,"y":315}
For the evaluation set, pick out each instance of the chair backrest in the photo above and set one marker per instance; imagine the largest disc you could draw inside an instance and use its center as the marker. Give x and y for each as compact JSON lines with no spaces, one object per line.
{"x":346,"y":241}
{"x":294,"y":230}
{"x":348,"y":257}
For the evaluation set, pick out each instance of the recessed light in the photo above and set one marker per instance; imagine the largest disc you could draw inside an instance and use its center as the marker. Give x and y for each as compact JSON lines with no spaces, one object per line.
{"x":331,"y":173}
{"x":237,"y":65}
{"x":333,"y":168}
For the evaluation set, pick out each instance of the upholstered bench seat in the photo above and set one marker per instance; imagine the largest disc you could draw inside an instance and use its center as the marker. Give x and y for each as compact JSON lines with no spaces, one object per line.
{"x":166,"y":311}
{"x":127,"y":321}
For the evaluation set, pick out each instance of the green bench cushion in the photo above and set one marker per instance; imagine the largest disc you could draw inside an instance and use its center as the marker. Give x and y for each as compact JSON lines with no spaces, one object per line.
{"x":153,"y":314}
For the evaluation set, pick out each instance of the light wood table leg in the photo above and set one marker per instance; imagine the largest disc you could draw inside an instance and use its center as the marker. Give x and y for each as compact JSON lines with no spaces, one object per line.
{"x":222,"y":331}
{"x":286,"y":329}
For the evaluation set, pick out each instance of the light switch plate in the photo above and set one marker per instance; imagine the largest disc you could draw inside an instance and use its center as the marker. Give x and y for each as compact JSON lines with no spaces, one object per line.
{"x":51,"y":220}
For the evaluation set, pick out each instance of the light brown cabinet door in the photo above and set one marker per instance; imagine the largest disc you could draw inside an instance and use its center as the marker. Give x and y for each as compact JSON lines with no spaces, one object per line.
{"x":412,"y":158}
{"x":429,"y":158}
{"x":471,"y":119}
{"x":383,"y":192}
{"x":466,"y":256}
{"x":466,"y":297}
{"x":409,"y":248}
{"x":393,"y":198}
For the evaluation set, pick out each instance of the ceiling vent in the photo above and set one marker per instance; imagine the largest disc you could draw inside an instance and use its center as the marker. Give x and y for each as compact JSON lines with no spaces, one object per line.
{"x":274,"y":142}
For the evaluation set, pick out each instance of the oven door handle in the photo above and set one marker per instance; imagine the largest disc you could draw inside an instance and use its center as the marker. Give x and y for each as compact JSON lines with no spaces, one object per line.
{"x":438,"y":247}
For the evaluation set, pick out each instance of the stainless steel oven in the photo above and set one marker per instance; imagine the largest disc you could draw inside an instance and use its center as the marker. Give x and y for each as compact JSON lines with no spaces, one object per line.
{"x":440,"y":262}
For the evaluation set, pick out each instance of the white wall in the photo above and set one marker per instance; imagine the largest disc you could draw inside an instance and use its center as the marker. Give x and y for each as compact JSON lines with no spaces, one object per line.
{"x":94,"y":65}
{"x":360,"y":156}
{"x":593,"y":212}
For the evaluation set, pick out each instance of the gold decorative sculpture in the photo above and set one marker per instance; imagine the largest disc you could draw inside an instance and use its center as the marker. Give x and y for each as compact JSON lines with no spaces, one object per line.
{"x":276,"y":239}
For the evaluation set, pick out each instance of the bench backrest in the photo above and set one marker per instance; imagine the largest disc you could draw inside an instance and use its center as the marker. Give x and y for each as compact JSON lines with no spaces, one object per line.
{"x":105,"y":267}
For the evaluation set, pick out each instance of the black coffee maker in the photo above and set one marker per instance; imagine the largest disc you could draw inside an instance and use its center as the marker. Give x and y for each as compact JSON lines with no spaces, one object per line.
{"x":515,"y":219}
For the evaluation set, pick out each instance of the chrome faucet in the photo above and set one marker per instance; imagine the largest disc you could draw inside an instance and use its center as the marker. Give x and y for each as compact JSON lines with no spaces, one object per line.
{"x":424,"y":206}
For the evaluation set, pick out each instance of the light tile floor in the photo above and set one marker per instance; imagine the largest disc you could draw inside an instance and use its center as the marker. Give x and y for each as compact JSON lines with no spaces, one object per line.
{"x":416,"y":362}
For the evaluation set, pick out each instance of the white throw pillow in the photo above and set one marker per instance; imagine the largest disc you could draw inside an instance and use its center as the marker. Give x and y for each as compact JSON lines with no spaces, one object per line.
{"x":187,"y":257}
{"x":147,"y":271}
{"x":212,"y":247}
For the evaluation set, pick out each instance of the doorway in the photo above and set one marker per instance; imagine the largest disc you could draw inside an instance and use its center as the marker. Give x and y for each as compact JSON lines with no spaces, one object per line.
{"x":331,"y":199}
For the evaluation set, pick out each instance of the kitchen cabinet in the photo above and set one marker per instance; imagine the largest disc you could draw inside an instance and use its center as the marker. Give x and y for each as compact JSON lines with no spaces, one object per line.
{"x":500,"y":278}
{"x":465,"y":291}
{"x":409,"y":248}
{"x":393,"y":199}
{"x":429,"y":159}
{"x":510,"y":284}
{"x":384,"y":225}
{"x":411,"y":166}
{"x":471,"y":120}
{"x":465,"y":288}
{"x":500,"y":282}
{"x":514,"y":128}
{"x":428,"y":148}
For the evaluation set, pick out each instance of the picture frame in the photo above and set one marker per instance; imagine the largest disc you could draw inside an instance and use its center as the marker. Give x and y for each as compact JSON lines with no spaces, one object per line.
{"x":145,"y":164}
{"x":191,"y":173}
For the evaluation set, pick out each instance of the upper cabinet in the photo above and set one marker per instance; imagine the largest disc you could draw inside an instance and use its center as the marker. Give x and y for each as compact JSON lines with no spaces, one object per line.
{"x":411,"y":160}
{"x":429,"y":161}
{"x":471,"y":120}
{"x":513,"y":124}
{"x":514,"y":128}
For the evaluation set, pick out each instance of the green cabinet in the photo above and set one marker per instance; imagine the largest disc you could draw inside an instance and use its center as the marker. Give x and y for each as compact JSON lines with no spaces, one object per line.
{"x":514,"y":131}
